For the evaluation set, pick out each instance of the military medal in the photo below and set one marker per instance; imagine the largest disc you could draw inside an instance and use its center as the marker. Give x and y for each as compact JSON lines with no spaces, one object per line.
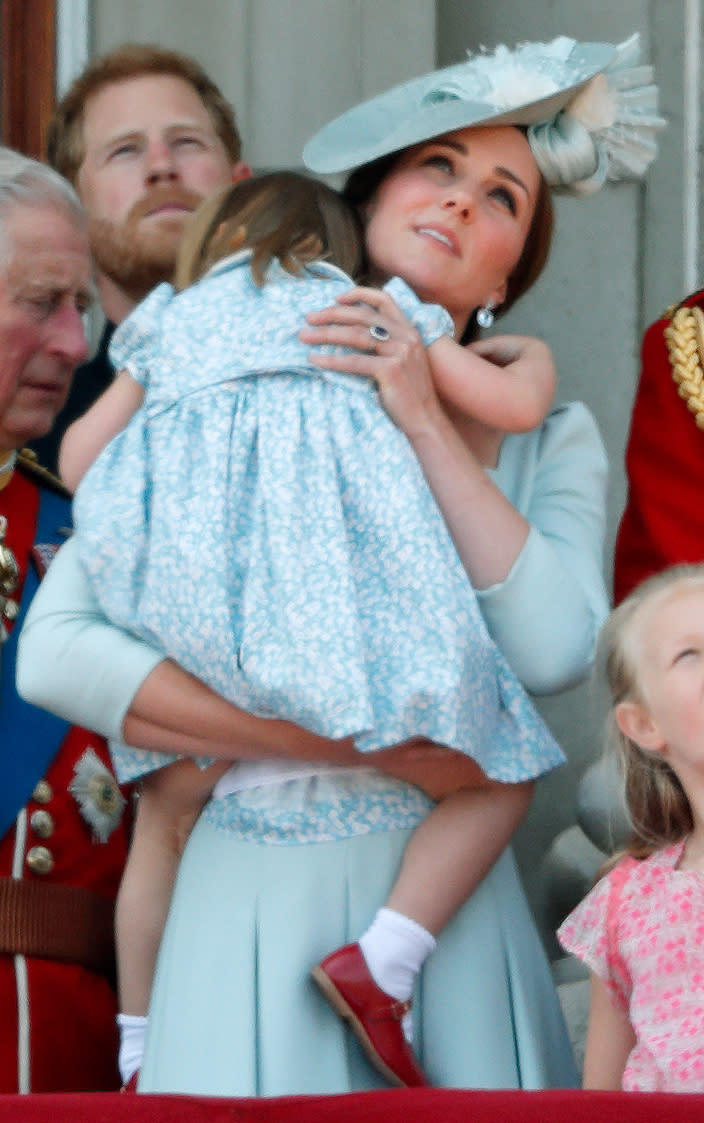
{"x":9,"y":580}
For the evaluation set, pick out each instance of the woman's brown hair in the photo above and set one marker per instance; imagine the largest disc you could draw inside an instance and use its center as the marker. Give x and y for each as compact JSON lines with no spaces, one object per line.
{"x":283,"y":215}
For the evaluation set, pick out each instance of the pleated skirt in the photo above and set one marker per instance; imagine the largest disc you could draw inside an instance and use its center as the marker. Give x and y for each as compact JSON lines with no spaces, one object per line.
{"x":235,"y":1013}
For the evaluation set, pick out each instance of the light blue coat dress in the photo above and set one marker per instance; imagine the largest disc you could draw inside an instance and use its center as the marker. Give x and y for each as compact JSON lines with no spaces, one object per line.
{"x":233,"y":1010}
{"x":268,"y":526}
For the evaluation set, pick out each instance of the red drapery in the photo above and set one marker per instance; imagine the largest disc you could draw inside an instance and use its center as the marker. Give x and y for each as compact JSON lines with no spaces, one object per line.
{"x":421,"y":1105}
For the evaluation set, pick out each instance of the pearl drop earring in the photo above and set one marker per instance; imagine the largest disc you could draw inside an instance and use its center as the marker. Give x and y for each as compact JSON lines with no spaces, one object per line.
{"x":485,"y":315}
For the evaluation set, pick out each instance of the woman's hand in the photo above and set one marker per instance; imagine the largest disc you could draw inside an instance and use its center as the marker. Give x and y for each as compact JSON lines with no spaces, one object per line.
{"x":435,"y":769}
{"x":487,"y":530}
{"x":398,"y":364}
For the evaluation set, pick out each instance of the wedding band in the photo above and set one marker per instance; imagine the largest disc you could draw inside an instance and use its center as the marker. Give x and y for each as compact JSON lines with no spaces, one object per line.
{"x":379,"y":333}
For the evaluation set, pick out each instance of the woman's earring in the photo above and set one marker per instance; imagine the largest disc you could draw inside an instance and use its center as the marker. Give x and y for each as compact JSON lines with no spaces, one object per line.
{"x":485,"y":315}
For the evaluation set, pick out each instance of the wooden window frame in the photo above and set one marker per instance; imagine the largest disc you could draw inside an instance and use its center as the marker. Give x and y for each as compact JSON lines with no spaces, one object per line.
{"x":28,"y":72}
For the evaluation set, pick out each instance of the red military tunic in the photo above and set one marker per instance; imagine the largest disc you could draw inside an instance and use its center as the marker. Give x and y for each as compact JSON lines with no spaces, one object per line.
{"x":663,"y":522}
{"x":57,"y":1029}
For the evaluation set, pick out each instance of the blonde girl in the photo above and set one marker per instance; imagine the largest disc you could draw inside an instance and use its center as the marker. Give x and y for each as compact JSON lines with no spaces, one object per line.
{"x":641,"y":929}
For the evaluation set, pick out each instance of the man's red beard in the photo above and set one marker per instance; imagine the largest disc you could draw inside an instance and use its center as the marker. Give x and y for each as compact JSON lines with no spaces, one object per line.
{"x":135,"y":254}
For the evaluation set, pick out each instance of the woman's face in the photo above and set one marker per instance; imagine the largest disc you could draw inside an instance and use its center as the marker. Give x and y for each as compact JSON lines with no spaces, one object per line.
{"x":452,"y":216}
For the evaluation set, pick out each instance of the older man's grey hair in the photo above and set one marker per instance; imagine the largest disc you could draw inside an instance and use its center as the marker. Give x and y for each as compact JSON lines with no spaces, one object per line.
{"x":29,"y":183}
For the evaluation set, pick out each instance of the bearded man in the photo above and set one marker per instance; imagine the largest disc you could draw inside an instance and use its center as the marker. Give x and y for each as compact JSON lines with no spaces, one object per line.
{"x":144,"y":135}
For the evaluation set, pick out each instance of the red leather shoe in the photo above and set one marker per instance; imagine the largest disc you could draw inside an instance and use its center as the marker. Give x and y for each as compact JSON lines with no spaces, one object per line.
{"x":373,"y":1016}
{"x":131,"y":1085}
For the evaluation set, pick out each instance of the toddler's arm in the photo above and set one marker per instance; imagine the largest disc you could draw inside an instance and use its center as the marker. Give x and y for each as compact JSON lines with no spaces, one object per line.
{"x":610,"y":1039}
{"x":89,"y":435}
{"x":506,"y":382}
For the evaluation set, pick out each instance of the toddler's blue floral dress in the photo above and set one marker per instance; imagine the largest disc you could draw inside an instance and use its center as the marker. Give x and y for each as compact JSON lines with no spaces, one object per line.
{"x":266,"y":525}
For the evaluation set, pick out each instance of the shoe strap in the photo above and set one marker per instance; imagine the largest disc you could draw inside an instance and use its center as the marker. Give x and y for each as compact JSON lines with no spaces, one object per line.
{"x":395,"y":1009}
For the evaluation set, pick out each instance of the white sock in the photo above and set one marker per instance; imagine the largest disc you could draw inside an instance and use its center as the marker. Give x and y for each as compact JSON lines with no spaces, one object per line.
{"x":133,"y":1032}
{"x":395,"y":948}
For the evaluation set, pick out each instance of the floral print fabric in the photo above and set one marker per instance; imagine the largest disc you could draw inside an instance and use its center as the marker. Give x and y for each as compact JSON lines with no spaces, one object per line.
{"x":268,"y":526}
{"x":641,"y":930}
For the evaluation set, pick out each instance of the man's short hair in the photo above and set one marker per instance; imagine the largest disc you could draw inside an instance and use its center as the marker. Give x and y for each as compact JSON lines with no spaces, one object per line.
{"x":65,"y":147}
{"x":27,"y":182}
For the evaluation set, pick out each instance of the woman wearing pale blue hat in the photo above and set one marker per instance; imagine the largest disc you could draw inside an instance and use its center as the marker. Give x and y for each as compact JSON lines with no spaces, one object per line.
{"x":296,"y":863}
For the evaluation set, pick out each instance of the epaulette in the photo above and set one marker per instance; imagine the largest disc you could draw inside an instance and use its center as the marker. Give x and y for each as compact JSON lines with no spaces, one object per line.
{"x":28,"y":464}
{"x":684,"y":339}
{"x":697,"y":295}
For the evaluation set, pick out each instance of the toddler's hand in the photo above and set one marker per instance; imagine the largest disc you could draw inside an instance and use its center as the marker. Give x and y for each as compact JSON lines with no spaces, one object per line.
{"x":504,"y":350}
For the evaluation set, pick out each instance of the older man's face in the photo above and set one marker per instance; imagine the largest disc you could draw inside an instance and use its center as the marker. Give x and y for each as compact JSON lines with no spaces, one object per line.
{"x":151,"y":155}
{"x":45,"y":286}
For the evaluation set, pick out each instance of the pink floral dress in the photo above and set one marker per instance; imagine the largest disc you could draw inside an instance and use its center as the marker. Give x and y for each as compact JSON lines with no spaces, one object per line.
{"x":641,"y":930}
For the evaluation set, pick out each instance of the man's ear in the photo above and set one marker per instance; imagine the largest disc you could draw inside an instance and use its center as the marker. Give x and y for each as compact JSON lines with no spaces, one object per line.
{"x":636,"y":723}
{"x":240,"y":170}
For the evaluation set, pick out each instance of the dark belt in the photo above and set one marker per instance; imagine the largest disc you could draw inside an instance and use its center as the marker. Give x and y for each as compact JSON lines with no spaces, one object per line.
{"x":62,"y":922}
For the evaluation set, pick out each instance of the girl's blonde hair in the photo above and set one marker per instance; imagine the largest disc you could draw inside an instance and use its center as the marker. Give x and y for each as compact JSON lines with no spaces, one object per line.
{"x":282,"y":215}
{"x":657,"y":804}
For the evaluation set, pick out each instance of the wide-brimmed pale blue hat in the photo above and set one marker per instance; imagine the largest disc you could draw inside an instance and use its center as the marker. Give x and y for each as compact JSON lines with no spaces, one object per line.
{"x":591,"y":96}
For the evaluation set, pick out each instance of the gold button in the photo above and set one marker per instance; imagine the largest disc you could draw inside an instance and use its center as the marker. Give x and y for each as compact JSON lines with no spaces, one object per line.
{"x":42,"y":823}
{"x":40,"y":860}
{"x":42,"y":793}
{"x":11,"y":610}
